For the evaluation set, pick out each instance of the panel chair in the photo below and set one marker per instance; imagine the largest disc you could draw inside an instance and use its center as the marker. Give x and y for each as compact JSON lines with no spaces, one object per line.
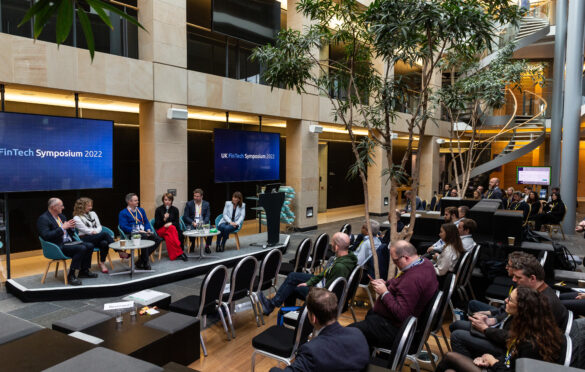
{"x":97,"y":251}
{"x":54,"y":253}
{"x":208,"y":302}
{"x":241,"y":285}
{"x":122,"y":233}
{"x":186,"y":240}
{"x":267,"y":277}
{"x":352,"y":286}
{"x":437,"y":326}
{"x":555,"y":227}
{"x":218,"y":220}
{"x":421,"y":336}
{"x":281,"y":343}
{"x":399,"y":349}
{"x":299,"y":263}
{"x":159,"y":246}
{"x":319,"y":252}
{"x":110,"y":232}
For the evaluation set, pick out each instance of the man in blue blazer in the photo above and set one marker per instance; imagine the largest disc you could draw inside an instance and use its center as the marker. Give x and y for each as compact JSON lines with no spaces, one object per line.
{"x":54,"y":227}
{"x":197,"y":213}
{"x":333,"y":348}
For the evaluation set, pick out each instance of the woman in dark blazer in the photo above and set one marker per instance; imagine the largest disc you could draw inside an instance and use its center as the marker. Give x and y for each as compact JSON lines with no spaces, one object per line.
{"x":553,"y":212}
{"x":166,"y":224}
{"x":233,"y":217}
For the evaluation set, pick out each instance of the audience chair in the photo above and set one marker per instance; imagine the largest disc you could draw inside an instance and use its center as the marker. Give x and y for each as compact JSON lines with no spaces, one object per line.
{"x":208,"y":301}
{"x":346,"y":229}
{"x":466,"y":282}
{"x":159,"y":246}
{"x":569,"y":325}
{"x":565,"y":359}
{"x":54,"y":253}
{"x":241,"y":285}
{"x":555,"y":227}
{"x":460,"y":269}
{"x":437,"y":326}
{"x":422,"y":333}
{"x":319,"y":252}
{"x":400,"y":347}
{"x":218,"y":220}
{"x":365,"y":284}
{"x":299,"y":263}
{"x":281,"y":343}
{"x":352,"y":286}
{"x":267,"y":278}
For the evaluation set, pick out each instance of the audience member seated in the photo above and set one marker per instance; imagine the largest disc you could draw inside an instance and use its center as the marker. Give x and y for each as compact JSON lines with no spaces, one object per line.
{"x":89,"y":230}
{"x":476,"y":195}
{"x":333,"y":347}
{"x":508,"y":198}
{"x":518,"y":204}
{"x":466,"y":228}
{"x":574,"y":301}
{"x":527,"y":190}
{"x":553,"y":212}
{"x":451,"y":216}
{"x":133,"y":220}
{"x":530,"y":274}
{"x":196,"y":213}
{"x":534,"y":205}
{"x":297,"y":285}
{"x":166,"y":224}
{"x":54,"y":227}
{"x":453,"y":193}
{"x":446,"y":261}
{"x":553,"y":190}
{"x":363,"y":250}
{"x":480,"y":190}
{"x":233,"y":217}
{"x":532,"y":334}
{"x":408,"y":207}
{"x":406,"y":294}
{"x":446,"y":189}
{"x":494,"y":191}
{"x":463,"y":212}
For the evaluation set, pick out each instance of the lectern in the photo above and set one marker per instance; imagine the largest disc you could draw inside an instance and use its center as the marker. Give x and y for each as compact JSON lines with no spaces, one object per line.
{"x":272,"y":204}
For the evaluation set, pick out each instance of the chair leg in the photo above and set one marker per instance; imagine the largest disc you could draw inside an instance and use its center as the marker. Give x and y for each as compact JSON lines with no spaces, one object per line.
{"x":225,"y":328}
{"x":110,"y":261}
{"x":438,"y":344}
{"x":202,"y":344}
{"x":370,"y":297}
{"x":253,"y":360}
{"x":65,"y":271}
{"x":237,"y":241}
{"x":160,"y":250}
{"x":431,"y":355}
{"x":204,"y":321}
{"x":45,"y":274}
{"x":229,"y":317}
{"x":445,"y":339}
{"x":252,"y":301}
{"x":353,"y":314}
{"x":562,"y":232}
{"x":56,"y":268}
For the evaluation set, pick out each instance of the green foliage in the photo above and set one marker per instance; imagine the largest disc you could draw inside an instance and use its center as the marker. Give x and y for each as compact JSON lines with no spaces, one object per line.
{"x":365,"y":147}
{"x":43,"y":10}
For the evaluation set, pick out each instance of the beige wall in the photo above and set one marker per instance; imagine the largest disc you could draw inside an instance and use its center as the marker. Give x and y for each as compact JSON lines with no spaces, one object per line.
{"x":429,"y":167}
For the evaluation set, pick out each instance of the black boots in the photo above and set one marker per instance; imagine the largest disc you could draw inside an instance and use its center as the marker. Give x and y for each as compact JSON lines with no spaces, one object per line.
{"x":72,"y":279}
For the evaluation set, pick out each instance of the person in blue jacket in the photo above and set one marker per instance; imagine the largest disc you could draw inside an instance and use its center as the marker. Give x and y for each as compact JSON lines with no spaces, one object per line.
{"x":133,"y":219}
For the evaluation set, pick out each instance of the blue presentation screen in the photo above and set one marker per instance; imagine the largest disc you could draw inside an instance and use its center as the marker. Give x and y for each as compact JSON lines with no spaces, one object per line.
{"x":246,"y":156}
{"x":44,"y":153}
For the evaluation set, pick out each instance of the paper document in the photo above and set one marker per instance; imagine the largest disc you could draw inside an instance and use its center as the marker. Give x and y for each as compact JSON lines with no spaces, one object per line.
{"x":87,"y":338}
{"x":118,"y":305}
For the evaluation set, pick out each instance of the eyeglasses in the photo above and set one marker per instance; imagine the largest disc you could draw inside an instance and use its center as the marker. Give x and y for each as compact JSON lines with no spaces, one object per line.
{"x":398,"y":259}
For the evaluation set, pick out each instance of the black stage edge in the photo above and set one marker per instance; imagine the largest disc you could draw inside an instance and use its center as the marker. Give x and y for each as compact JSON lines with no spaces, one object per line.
{"x":139,"y":282}
{"x":303,"y":229}
{"x":378,"y":214}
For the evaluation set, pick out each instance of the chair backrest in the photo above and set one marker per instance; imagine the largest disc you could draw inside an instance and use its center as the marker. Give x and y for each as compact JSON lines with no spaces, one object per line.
{"x":182,"y":225}
{"x":433,"y":203}
{"x":108,"y":231}
{"x":569,"y":322}
{"x":218,"y":219}
{"x":352,"y":285}
{"x":152,"y":225}
{"x":338,"y":287}
{"x":302,"y":331}
{"x":302,"y":255}
{"x":448,"y":289}
{"x":269,"y":270}
{"x":346,"y":229}
{"x":462,"y":266}
{"x":471,"y":266}
{"x":425,"y":321}
{"x":543,"y":257}
{"x":212,"y":290}
{"x":122,"y":233}
{"x":319,"y":250}
{"x":242,"y":281}
{"x":52,"y":251}
{"x":565,"y":358}
{"x":402,"y":344}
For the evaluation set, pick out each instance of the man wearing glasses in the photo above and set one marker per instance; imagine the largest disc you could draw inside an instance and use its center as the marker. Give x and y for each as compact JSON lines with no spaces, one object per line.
{"x":406,"y":294}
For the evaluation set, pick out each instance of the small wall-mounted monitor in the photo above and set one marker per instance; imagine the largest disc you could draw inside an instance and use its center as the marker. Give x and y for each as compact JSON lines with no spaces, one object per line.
{"x":534,"y":176}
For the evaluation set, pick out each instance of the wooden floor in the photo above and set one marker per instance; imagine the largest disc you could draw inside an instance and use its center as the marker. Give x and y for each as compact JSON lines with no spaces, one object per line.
{"x":235,"y":355}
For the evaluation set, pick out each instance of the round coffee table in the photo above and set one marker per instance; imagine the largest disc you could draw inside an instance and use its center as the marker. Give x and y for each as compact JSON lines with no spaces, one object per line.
{"x":143,"y":244}
{"x":200,"y":234}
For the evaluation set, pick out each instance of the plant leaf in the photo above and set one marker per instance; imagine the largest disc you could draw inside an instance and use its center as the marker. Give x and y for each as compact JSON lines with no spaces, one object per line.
{"x":64,"y":20}
{"x":86,"y":26}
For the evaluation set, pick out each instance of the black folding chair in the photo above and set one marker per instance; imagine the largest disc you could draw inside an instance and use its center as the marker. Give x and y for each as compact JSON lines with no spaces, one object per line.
{"x":437,"y":326}
{"x":267,"y":278}
{"x":299,"y":263}
{"x":400,"y":348}
{"x":319,"y":251}
{"x":241,"y":285}
{"x":352,"y":286}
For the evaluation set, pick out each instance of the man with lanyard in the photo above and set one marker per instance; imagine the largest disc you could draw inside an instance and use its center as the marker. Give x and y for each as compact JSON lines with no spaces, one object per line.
{"x":196,"y":213}
{"x":494,"y":191}
{"x":297,"y":285}
{"x":406,"y":294}
{"x":54,"y":227}
{"x":518,"y":204}
{"x":132,"y":220}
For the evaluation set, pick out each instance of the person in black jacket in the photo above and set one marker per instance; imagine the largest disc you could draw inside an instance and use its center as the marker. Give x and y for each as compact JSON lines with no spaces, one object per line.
{"x":54,"y":227}
{"x":166,"y":224}
{"x":553,"y":212}
{"x":333,"y":347}
{"x":533,"y":334}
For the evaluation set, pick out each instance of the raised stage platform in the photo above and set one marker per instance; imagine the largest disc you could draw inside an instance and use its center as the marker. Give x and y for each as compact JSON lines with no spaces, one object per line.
{"x":30,"y":289}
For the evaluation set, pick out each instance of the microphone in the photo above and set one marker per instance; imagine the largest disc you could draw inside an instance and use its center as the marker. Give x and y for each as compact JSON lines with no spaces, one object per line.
{"x":167,"y":208}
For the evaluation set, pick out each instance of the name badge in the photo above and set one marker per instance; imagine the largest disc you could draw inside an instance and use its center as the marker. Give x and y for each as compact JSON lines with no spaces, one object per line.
{"x":141,"y":227}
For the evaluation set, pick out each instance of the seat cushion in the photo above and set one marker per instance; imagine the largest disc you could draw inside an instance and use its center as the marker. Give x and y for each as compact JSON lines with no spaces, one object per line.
{"x":102,"y":359}
{"x":81,"y":321}
{"x":569,"y":276}
{"x":286,"y":268}
{"x":275,"y":340}
{"x":171,"y":322}
{"x":188,"y":305}
{"x":12,"y":328}
{"x":498,"y":292}
{"x":503,"y":280}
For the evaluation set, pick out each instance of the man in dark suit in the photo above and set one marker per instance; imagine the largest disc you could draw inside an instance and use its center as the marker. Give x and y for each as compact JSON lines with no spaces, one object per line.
{"x":197,"y":213}
{"x":54,"y":227}
{"x":494,"y":191}
{"x":333,"y":347}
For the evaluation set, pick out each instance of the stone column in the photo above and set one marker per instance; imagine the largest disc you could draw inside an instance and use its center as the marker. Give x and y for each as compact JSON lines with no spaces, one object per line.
{"x":378,"y":184}
{"x":429,"y":167}
{"x":302,"y":171}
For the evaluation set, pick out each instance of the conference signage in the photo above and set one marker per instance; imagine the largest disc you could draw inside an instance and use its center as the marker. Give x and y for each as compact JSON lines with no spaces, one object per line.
{"x":44,"y":153}
{"x":246,"y":156}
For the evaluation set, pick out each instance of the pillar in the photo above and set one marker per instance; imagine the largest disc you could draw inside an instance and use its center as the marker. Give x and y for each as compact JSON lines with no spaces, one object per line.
{"x":572,"y":112}
{"x":429,"y":167}
{"x":302,"y":171}
{"x":556,"y":122}
{"x":378,"y":184}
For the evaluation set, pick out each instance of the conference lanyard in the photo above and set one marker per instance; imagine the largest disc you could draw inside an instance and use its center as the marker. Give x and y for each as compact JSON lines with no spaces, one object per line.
{"x":509,"y":354}
{"x":516,"y":206}
{"x":416,"y":263}
{"x":136,"y":216}
{"x":198,"y":210}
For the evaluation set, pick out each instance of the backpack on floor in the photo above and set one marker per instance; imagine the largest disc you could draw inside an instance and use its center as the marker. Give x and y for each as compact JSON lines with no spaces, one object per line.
{"x":563,"y":258}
